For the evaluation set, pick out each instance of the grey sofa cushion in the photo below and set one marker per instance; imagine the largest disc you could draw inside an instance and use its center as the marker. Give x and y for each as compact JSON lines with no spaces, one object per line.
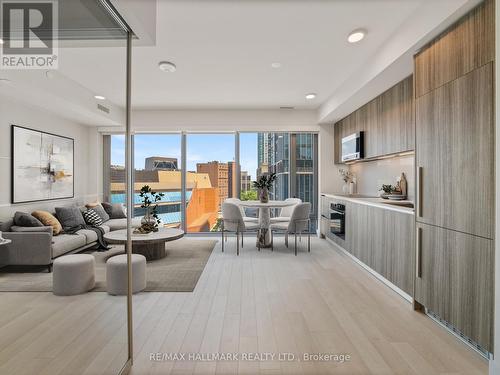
{"x":90,"y":235}
{"x":6,"y":225}
{"x":64,"y":243}
{"x":117,"y":224}
{"x":22,"y":219}
{"x":101,"y":212}
{"x":114,"y":210}
{"x":105,"y":228}
{"x":42,"y":229}
{"x":69,"y":217}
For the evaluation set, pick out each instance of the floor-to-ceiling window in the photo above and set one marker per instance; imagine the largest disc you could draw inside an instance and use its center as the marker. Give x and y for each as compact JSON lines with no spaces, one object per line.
{"x":305,"y":171}
{"x":157,"y":164}
{"x":292,"y":156}
{"x":212,"y":173}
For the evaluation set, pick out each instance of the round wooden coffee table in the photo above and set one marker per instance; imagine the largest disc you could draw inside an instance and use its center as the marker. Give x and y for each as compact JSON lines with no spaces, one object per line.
{"x":151,"y":245}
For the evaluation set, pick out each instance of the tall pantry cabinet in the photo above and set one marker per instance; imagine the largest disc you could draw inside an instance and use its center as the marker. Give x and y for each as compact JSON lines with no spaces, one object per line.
{"x":455,"y":152}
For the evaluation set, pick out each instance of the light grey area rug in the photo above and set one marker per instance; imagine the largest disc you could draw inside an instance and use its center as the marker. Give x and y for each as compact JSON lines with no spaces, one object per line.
{"x":179,"y":271}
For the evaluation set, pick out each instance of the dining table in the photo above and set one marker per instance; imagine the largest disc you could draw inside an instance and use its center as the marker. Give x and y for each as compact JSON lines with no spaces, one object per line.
{"x":264,"y":234}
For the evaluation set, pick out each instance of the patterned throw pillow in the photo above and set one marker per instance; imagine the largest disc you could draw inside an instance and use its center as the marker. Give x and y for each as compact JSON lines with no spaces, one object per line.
{"x":92,"y":218}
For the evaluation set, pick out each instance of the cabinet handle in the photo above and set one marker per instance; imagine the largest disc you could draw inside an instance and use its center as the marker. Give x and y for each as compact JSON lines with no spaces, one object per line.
{"x":419,"y":253}
{"x":419,"y":191}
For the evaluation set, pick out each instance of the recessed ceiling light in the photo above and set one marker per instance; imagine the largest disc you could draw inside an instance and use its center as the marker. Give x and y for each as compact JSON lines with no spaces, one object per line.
{"x":356,"y":36}
{"x":99,"y":97}
{"x":310,"y":96}
{"x":167,"y":66}
{"x":276,"y":65}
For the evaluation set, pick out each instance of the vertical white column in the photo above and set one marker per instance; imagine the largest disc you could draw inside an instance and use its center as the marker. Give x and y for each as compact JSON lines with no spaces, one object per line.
{"x":183,"y":182}
{"x":237,"y":164}
{"x":129,"y":168}
{"x":495,"y":363}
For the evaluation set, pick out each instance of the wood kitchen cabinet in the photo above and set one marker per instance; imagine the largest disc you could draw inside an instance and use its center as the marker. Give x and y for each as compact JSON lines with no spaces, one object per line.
{"x":337,"y":146}
{"x":383,"y":240}
{"x":455,"y":151}
{"x":455,"y":280}
{"x":465,"y":47}
{"x":387,"y":122}
{"x":397,"y":124}
{"x":454,"y":159}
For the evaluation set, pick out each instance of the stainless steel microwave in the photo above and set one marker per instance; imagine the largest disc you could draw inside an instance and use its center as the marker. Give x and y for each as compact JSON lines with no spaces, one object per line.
{"x":352,"y":147}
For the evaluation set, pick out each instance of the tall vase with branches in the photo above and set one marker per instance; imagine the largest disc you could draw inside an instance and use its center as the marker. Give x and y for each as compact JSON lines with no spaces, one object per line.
{"x":264,"y":184}
{"x":347,"y":177}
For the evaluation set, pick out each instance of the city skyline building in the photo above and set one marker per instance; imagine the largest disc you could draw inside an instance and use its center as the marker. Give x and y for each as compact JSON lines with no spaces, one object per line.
{"x":161,"y":163}
{"x":294,"y":168}
{"x":246,"y":181}
{"x":219,"y":177}
{"x":232,"y":183}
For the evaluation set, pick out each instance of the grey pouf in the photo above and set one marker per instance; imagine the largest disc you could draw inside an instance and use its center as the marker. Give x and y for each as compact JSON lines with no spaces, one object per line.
{"x":73,"y":274}
{"x":117,"y":275}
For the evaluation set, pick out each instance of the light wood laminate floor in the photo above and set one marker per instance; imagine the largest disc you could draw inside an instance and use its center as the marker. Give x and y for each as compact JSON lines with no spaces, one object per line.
{"x":265,"y":301}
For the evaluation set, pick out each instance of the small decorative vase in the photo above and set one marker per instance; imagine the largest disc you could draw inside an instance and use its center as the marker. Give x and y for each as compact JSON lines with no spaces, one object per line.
{"x":345,"y":188}
{"x":264,"y":195}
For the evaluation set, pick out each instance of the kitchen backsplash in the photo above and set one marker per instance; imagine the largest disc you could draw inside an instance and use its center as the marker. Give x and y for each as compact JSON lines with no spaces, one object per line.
{"x":370,"y":176}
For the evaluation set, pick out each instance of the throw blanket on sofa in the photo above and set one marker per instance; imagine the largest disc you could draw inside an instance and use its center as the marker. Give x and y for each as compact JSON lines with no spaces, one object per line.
{"x":99,"y":231}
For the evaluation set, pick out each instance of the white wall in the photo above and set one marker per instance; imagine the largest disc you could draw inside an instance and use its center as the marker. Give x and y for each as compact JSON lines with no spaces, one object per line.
{"x":371,"y":175}
{"x":329,"y":179}
{"x":88,"y":150}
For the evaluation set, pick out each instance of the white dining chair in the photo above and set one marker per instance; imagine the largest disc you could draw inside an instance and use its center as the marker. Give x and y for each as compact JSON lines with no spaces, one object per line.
{"x":232,"y":221}
{"x":246,"y":219}
{"x":286,"y":212}
{"x":299,"y":223}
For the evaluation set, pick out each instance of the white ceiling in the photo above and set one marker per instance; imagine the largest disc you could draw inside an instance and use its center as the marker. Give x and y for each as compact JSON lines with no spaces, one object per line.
{"x":223,"y":50}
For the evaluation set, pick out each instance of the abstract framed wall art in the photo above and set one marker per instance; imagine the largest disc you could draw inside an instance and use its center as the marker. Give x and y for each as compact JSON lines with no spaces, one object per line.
{"x":42,"y":166}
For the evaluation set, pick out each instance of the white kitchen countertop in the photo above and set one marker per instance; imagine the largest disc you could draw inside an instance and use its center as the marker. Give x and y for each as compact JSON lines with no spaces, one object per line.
{"x":373,"y":201}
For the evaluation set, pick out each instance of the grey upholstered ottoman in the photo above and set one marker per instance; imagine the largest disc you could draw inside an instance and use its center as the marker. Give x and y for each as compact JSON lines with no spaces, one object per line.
{"x":73,"y":274}
{"x":116,"y":274}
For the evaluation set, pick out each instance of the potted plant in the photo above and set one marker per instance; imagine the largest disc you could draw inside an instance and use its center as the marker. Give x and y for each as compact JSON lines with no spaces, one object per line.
{"x":150,"y":199}
{"x":387,"y":190}
{"x":264,"y":184}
